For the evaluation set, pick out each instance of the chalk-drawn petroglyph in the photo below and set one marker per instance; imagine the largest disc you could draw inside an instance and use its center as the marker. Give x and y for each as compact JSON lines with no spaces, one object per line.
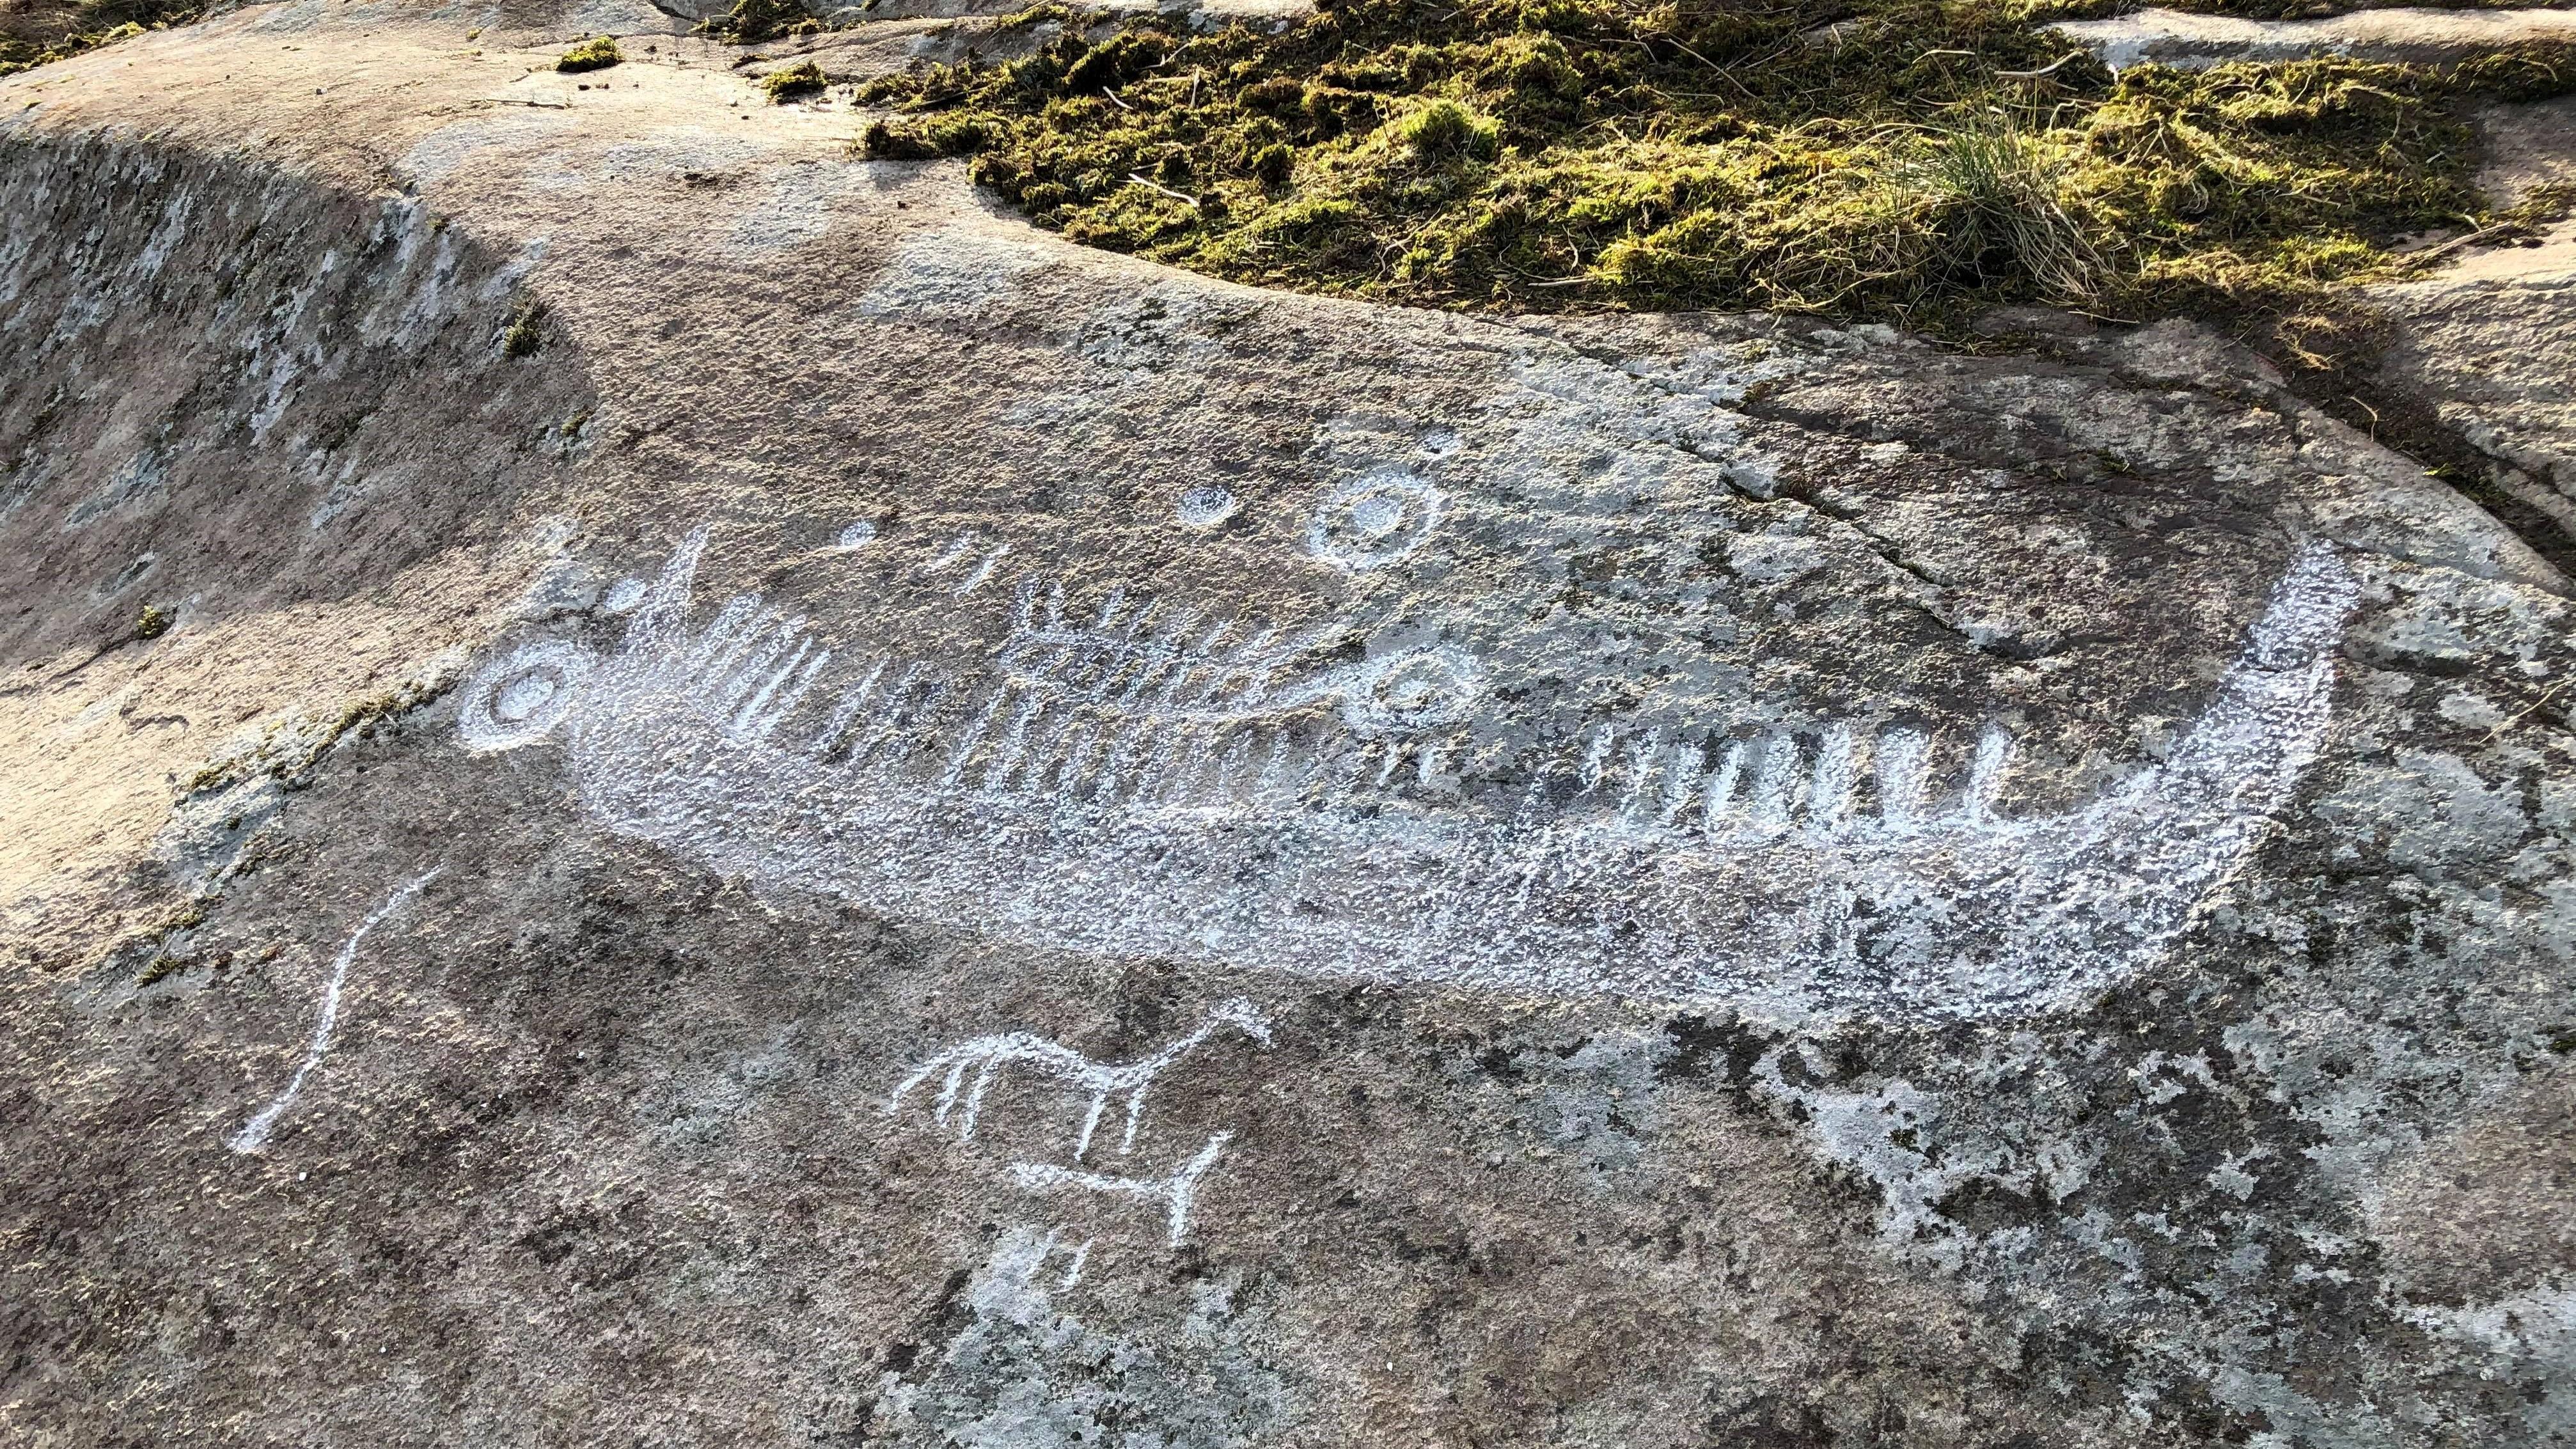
{"x":1414,"y":690}
{"x":1175,"y":1192}
{"x":522,"y":695}
{"x":254,"y":1134}
{"x":624,"y":596}
{"x":1205,"y":506}
{"x":1373,"y":520}
{"x":1024,"y":1255}
{"x":1138,"y":780}
{"x":970,"y":556}
{"x":1173,"y":672}
{"x":986,"y":1056}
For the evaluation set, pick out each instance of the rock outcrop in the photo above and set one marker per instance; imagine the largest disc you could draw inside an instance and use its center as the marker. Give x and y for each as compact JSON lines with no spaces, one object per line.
{"x":659,"y":785}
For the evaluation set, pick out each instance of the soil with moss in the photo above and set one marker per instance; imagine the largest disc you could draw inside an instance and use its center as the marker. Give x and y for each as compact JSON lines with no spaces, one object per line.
{"x":1915,"y":161}
{"x":33,"y":32}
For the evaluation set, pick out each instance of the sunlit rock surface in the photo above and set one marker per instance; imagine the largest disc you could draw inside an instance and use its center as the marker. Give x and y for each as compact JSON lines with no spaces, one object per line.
{"x":658,"y":786}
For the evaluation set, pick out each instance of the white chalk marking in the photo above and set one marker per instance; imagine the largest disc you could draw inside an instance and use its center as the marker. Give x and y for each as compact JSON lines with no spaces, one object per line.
{"x":1721,"y":789}
{"x":847,"y":710}
{"x":1681,"y":775}
{"x":1901,"y":766}
{"x":1829,"y":795}
{"x":1986,"y":777}
{"x":1371,"y":521}
{"x":520,"y":697}
{"x":2036,"y":910}
{"x":1015,"y":745}
{"x":1775,"y":784}
{"x":1205,"y":506}
{"x":987,"y":1055}
{"x":971,"y":739}
{"x":983,"y":571}
{"x":1641,"y":767}
{"x":956,"y":550}
{"x":254,"y":1134}
{"x":1176,"y":1192}
{"x":1433,"y":757}
{"x":1393,"y":762}
{"x":1596,"y":760}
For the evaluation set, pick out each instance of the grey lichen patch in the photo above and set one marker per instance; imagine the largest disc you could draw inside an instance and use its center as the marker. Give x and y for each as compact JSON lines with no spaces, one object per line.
{"x":143,"y":475}
{"x":1593,"y":1100}
{"x":1181,"y":1369}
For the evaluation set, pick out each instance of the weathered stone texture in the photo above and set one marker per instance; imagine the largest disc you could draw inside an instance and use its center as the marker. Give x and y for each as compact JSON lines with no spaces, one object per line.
{"x":903,"y":833}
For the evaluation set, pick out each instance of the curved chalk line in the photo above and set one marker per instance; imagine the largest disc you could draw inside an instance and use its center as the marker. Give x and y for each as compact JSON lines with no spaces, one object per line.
{"x":254,"y":1134}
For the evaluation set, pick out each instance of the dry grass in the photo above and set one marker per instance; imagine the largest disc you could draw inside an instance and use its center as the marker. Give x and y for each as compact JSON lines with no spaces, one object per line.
{"x":1543,"y":154}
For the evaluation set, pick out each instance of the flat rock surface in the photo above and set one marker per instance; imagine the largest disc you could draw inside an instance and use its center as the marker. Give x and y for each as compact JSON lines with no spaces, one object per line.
{"x":2192,"y":40}
{"x":2479,"y":346}
{"x":758,"y":806}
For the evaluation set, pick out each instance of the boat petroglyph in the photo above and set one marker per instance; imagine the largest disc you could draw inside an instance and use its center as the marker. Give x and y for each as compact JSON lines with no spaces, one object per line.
{"x":1125,"y":779}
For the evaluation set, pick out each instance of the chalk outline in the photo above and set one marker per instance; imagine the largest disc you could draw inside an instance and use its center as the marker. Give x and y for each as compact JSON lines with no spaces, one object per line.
{"x":988,"y":1055}
{"x":1178,"y":1191}
{"x":2010,"y":915}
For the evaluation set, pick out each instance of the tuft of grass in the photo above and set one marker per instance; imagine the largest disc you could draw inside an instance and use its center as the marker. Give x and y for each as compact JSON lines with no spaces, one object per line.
{"x":525,"y":332}
{"x":154,"y":622}
{"x":794,"y":82}
{"x":1039,"y":14}
{"x":750,"y":22}
{"x":1920,"y":161}
{"x":1998,"y":192}
{"x":597,"y":53}
{"x":161,"y":965}
{"x":1443,"y":130}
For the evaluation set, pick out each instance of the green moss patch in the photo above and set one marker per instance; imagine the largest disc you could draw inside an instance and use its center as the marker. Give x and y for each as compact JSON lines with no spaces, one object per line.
{"x":525,"y":332}
{"x":750,"y":22}
{"x":35,"y":32}
{"x":1912,"y":160}
{"x":793,"y":82}
{"x":597,"y":53}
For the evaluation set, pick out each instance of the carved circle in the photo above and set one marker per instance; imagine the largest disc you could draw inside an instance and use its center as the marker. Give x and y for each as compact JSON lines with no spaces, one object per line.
{"x":1373,"y":520}
{"x":1206,"y":506}
{"x":520,"y":697}
{"x":1416,"y":690}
